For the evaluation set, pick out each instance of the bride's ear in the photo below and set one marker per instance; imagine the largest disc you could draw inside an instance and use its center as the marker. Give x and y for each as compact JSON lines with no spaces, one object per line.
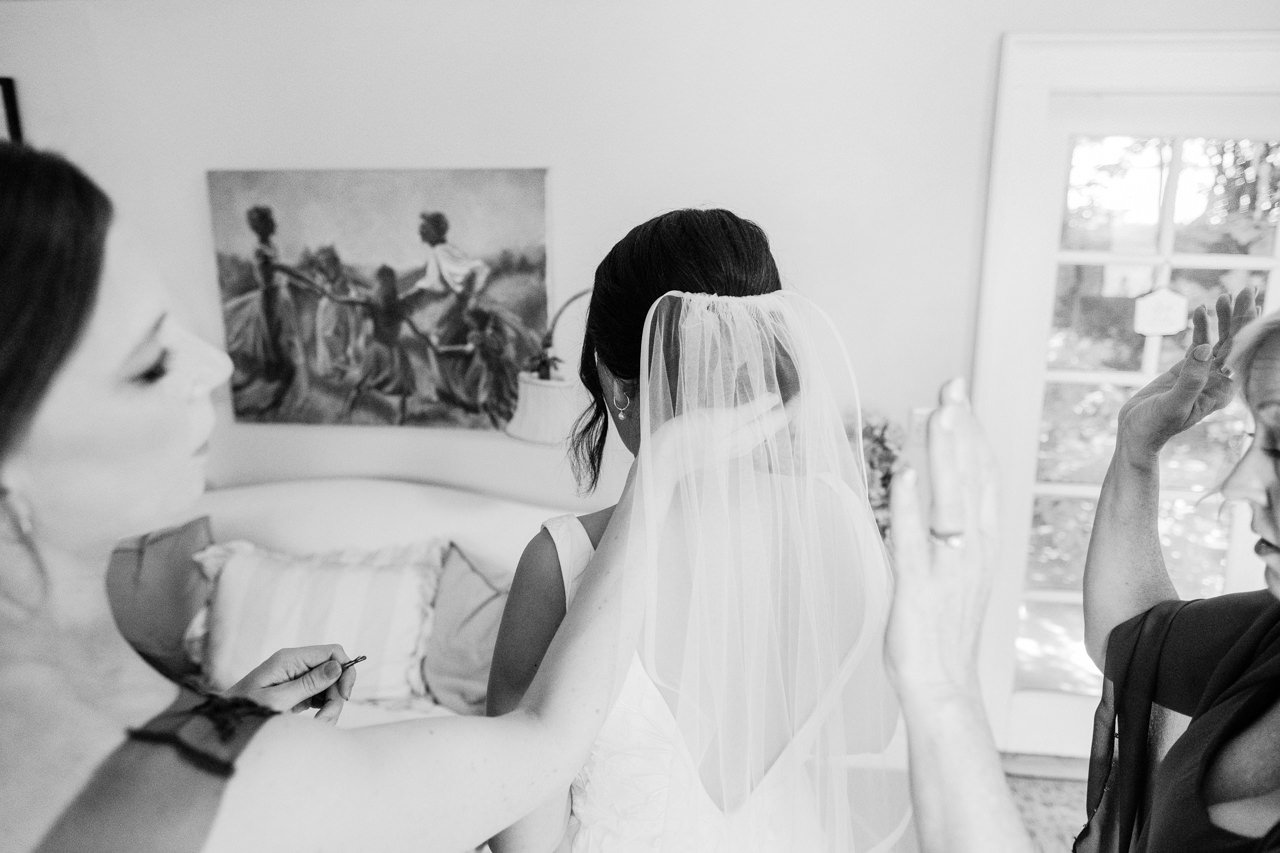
{"x":619,"y":394}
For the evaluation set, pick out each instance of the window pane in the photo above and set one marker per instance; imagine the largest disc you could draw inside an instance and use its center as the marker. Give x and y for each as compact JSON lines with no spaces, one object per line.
{"x":1113,"y":194}
{"x":1050,"y":645}
{"x":1093,"y":317}
{"x":1202,"y":287}
{"x":1228,"y":197}
{"x":1193,"y":539}
{"x":1051,"y":653}
{"x":1078,"y":431}
{"x":1059,"y":540}
{"x":1199,"y":459}
{"x":1078,"y":437}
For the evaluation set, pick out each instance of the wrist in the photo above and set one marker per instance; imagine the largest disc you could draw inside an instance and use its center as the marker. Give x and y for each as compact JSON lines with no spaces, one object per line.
{"x":1133,"y":457}
{"x":916,"y":692}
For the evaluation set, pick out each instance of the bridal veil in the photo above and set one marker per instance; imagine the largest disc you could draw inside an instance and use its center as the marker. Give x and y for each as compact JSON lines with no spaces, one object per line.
{"x":766,"y":582}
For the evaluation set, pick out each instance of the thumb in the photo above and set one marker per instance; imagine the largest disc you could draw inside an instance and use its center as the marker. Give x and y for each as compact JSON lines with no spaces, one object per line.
{"x":302,"y":688}
{"x":1195,"y":373}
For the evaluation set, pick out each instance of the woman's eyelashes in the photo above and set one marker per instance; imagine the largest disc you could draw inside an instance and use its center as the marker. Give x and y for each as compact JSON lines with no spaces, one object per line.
{"x":157,"y":371}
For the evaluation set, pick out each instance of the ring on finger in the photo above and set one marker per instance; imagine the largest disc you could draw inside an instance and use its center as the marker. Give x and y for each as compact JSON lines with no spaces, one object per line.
{"x":950,"y":540}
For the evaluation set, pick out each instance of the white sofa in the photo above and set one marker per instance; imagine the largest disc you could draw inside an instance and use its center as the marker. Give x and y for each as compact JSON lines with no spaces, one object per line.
{"x":305,"y":516}
{"x":318,"y":515}
{"x":156,"y":574}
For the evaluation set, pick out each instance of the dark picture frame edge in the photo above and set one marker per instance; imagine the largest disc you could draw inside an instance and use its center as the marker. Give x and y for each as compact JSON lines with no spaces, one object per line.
{"x":9,"y":95}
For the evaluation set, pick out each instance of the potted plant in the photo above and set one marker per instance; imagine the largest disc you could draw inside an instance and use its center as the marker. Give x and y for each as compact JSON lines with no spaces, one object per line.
{"x":545,"y":406}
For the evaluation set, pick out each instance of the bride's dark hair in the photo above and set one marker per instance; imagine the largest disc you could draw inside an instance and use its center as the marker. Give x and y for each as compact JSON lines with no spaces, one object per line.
{"x":693,"y":251}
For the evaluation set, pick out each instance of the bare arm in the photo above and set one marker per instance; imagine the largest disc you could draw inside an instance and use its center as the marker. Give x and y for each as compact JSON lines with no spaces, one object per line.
{"x":962,"y":802}
{"x":1124,"y":572}
{"x":443,"y":784}
{"x":535,"y":608}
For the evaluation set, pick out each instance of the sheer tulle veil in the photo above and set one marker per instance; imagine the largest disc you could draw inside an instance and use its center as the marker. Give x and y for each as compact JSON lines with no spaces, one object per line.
{"x":766,"y":583}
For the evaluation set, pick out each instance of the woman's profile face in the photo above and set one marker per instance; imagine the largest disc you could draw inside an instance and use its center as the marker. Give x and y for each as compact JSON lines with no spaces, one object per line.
{"x":1256,"y":477}
{"x":118,"y":445}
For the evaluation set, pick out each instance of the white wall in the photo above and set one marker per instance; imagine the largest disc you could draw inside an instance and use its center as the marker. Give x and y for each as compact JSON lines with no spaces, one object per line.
{"x":856,"y":133}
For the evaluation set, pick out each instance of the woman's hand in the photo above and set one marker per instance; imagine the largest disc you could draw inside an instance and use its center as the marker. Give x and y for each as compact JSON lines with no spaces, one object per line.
{"x":1191,"y":390}
{"x":944,"y":565}
{"x":717,"y":435}
{"x":296,"y":679}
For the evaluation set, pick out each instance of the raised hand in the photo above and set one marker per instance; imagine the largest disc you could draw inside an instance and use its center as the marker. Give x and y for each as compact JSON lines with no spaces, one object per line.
{"x":944,"y":569}
{"x":944,"y":565}
{"x":297,"y":679}
{"x":1191,"y":390}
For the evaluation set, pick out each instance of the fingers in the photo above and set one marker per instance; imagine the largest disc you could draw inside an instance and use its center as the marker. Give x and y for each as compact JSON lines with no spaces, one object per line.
{"x":745,"y":427}
{"x":1191,"y":380}
{"x":1217,"y":394}
{"x":1246,"y":309}
{"x":346,"y":682}
{"x":947,"y":508}
{"x":291,"y":663}
{"x":1239,"y":316}
{"x":954,"y":392}
{"x":1223,"y":309}
{"x":910,"y":545}
{"x":300,"y":690}
{"x":1199,"y":326}
{"x":758,"y":407}
{"x":331,"y":710}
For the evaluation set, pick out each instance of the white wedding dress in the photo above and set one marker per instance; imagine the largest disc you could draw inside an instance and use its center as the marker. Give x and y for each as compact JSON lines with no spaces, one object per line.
{"x":640,"y":790}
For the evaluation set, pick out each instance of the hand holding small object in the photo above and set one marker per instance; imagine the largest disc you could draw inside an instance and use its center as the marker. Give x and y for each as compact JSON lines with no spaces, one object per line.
{"x":297,"y":679}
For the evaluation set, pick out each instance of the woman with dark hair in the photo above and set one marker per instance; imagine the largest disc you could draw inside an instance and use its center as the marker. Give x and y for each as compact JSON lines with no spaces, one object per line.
{"x":755,"y":715}
{"x":105,"y":415}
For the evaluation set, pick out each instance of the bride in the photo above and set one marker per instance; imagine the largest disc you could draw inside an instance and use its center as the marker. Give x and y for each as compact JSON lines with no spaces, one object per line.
{"x":756,"y":713}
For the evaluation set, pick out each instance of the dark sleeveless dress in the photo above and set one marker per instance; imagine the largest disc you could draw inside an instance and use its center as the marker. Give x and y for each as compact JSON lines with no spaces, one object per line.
{"x":159,"y":791}
{"x":1216,"y":661}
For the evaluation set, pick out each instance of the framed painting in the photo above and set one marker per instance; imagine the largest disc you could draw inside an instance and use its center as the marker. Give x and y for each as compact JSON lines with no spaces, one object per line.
{"x":405,"y":298}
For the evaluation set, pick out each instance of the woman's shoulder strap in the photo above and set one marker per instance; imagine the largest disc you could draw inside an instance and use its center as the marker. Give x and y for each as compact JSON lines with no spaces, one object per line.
{"x":573,"y":548}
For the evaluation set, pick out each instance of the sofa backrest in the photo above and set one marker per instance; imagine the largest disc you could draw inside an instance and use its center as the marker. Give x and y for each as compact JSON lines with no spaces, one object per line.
{"x":303,"y":516}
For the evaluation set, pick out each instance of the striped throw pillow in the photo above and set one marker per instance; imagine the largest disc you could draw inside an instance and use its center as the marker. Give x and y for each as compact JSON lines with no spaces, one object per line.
{"x":375,"y":603}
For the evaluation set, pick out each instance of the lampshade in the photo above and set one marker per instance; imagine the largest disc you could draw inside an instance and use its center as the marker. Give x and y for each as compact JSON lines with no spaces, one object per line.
{"x":546,"y":409}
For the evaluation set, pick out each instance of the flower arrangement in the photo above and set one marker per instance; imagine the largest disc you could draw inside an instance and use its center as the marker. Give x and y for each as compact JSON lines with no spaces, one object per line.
{"x":882,"y":443}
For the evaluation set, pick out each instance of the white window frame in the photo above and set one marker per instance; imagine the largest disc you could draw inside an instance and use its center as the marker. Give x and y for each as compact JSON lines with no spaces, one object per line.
{"x":1230,"y":76}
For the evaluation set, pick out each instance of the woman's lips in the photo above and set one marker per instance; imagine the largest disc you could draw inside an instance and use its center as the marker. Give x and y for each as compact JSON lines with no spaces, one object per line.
{"x":1265,"y":548}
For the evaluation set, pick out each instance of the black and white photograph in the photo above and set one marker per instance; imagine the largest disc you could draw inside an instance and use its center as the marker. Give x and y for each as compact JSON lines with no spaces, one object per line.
{"x":380,"y":297}
{"x":671,"y":426}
